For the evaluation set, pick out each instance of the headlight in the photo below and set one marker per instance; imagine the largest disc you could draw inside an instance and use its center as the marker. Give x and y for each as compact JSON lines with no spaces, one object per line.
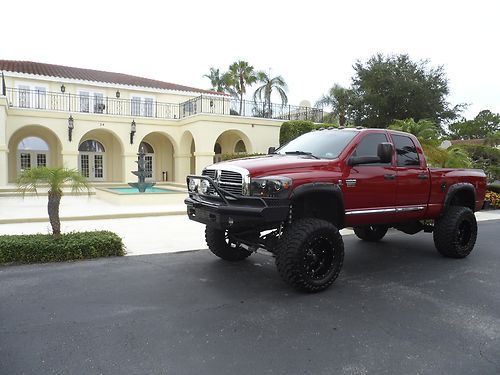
{"x":204,"y":186}
{"x":193,"y":184}
{"x":272,"y":186}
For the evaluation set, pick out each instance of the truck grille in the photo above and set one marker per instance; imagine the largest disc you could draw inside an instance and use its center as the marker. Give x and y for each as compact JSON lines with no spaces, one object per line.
{"x":229,"y":181}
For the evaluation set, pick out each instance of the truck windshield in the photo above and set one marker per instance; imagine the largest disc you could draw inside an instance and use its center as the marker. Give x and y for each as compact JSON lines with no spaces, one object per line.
{"x":326,"y":144}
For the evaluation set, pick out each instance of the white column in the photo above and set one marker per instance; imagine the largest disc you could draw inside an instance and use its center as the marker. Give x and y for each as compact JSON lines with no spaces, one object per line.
{"x":70,"y":159}
{"x":4,"y":165}
{"x":181,"y":167}
{"x":203,"y":159}
{"x":129,"y":165}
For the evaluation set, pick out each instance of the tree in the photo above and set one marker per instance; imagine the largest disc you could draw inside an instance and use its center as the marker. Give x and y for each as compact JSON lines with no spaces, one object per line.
{"x":395,"y":87}
{"x":339,"y":98}
{"x":239,"y":76}
{"x":216,"y":80}
{"x":425,"y":130}
{"x":484,"y":125}
{"x":263,"y":93}
{"x":30,"y":180}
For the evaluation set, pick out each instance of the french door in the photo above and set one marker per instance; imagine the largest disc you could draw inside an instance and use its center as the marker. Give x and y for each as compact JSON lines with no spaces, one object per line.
{"x":31,"y":159}
{"x":92,"y":166}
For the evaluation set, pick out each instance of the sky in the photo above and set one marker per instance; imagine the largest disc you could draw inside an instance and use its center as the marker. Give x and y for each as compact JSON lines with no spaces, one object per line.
{"x":312,"y":44}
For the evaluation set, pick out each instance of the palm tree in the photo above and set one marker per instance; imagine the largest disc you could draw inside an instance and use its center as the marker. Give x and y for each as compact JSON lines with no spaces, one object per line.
{"x":339,"y":98}
{"x":216,"y":80}
{"x":263,"y":93}
{"x":31,"y":179}
{"x":425,"y":130}
{"x":240,"y":75}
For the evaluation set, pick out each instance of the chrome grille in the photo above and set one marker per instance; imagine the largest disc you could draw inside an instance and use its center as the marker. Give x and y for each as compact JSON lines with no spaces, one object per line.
{"x":229,"y":181}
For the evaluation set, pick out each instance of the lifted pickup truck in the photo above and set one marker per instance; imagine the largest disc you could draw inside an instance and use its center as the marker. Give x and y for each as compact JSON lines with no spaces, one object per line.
{"x":294,"y":201}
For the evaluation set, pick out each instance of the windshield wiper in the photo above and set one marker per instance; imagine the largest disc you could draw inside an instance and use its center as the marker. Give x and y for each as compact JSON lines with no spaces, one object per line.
{"x":301,"y":153}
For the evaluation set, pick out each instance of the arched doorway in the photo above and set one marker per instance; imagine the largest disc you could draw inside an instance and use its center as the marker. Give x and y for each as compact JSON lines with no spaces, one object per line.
{"x":32,"y":152}
{"x":218,"y":153}
{"x":240,"y":147}
{"x":149,"y":159}
{"x":91,"y":160}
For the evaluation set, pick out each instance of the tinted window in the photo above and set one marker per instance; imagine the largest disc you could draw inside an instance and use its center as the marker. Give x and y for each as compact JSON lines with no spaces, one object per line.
{"x":406,"y":151}
{"x":369,"y":144}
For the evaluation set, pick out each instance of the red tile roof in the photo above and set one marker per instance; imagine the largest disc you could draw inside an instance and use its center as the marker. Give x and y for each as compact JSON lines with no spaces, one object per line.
{"x":61,"y":71}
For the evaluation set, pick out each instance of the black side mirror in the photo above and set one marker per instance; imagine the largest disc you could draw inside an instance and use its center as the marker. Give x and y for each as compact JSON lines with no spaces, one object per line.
{"x":271,"y":150}
{"x":384,"y":152}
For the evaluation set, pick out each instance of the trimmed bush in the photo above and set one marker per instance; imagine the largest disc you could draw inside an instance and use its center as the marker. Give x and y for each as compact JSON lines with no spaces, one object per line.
{"x":41,"y":248}
{"x":495,"y":188}
{"x":292,"y":129}
{"x":484,"y":157}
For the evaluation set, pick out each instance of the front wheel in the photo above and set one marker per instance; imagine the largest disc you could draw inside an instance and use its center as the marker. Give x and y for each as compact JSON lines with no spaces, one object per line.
{"x":310,"y":254}
{"x":455,"y":232}
{"x":220,"y":244}
{"x":371,"y":233}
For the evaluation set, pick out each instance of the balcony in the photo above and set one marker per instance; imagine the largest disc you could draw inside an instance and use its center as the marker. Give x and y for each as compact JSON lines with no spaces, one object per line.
{"x":98,"y":104}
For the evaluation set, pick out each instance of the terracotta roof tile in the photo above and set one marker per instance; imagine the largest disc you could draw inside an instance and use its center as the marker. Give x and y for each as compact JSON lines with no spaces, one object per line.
{"x":61,"y":71}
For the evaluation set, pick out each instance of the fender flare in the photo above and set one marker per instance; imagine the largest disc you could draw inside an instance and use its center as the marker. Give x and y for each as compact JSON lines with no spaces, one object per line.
{"x":455,"y":189}
{"x":322,"y":187}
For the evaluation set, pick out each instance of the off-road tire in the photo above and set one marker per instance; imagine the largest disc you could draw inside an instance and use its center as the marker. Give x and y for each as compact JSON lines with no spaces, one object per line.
{"x":219,"y":244}
{"x":310,"y":254}
{"x":371,"y":233}
{"x":455,"y":232}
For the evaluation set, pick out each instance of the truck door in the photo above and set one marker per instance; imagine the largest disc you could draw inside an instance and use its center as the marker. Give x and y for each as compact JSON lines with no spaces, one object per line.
{"x":413,"y":181}
{"x":368,"y":189}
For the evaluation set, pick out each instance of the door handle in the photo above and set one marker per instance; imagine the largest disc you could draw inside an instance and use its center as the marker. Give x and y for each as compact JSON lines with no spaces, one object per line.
{"x":423,"y":176}
{"x":389,"y":176}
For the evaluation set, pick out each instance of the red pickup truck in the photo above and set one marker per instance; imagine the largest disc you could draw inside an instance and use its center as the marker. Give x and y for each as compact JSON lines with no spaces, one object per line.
{"x":294,"y":201}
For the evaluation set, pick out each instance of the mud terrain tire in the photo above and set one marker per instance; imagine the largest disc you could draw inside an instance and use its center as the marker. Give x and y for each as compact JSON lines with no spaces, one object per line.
{"x":371,"y":233}
{"x":455,"y":232}
{"x":219,"y":244}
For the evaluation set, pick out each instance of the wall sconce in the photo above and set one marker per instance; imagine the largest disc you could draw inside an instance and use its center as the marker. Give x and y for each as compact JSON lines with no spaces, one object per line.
{"x":132,"y":132}
{"x":63,"y":88}
{"x":117,"y":94}
{"x":71,"y":126}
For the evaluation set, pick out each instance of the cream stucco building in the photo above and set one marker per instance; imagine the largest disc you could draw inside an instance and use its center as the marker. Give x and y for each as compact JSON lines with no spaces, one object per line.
{"x":95,"y":122}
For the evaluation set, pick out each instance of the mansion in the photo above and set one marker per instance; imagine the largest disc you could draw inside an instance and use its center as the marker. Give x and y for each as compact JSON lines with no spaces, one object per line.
{"x":96,"y":122}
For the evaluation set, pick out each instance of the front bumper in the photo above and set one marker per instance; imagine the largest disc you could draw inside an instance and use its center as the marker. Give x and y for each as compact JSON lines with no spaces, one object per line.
{"x":227,"y":210}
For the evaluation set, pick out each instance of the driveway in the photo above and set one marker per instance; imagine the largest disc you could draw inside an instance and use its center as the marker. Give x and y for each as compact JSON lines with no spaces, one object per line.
{"x":397,"y":308}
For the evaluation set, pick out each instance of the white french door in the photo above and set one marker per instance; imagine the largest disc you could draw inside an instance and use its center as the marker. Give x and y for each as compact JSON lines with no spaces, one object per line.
{"x":92,"y":165}
{"x":148,"y":167}
{"x":31,"y":159}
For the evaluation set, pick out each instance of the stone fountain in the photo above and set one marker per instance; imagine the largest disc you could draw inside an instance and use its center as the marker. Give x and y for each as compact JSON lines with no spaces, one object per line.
{"x":141,"y":173}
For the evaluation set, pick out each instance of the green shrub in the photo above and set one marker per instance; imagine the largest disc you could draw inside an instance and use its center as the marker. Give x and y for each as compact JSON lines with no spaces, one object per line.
{"x":494,"y":188}
{"x":484,"y":157}
{"x":292,"y":129}
{"x":40,"y":248}
{"x":238,"y":156}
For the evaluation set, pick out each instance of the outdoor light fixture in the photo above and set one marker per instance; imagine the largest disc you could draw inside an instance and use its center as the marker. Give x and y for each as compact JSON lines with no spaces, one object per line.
{"x":63,"y":88}
{"x":117,"y":94}
{"x":71,"y":126}
{"x":132,"y":131}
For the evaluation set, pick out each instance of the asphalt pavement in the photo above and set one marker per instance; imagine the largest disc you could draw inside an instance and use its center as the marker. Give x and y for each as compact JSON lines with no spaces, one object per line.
{"x":398,"y":307}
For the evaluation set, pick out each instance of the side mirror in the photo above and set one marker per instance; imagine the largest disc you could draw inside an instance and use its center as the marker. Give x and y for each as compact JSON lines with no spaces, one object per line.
{"x":271,"y":150}
{"x":384,"y":152}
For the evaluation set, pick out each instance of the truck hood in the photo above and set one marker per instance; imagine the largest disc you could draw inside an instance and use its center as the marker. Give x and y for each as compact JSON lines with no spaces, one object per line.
{"x":272,"y":164}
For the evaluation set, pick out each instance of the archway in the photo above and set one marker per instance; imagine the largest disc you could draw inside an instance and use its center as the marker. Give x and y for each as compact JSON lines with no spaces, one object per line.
{"x":159,"y":150}
{"x":33,"y":146}
{"x":218,"y":153}
{"x":233,"y":142}
{"x":100,"y":156}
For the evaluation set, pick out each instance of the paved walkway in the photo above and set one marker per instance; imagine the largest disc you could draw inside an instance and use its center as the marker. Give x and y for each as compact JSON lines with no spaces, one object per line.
{"x":151,"y":229}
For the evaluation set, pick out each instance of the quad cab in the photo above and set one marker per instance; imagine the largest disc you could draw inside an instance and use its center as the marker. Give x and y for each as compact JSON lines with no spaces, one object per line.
{"x":294,"y":201}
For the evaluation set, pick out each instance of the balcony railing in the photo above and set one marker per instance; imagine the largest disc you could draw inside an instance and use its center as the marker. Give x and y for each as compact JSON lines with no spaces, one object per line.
{"x":145,"y":107}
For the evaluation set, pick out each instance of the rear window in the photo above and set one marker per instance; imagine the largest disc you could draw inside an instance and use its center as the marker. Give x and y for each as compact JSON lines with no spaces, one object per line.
{"x":406,"y":151}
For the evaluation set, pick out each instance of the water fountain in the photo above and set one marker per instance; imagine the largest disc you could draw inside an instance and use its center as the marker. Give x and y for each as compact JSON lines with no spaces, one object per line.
{"x":141,"y":173}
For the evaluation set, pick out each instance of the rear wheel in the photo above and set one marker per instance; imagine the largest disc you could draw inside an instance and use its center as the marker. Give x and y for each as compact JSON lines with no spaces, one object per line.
{"x":310,"y":254}
{"x":371,"y":233}
{"x":455,"y":232}
{"x":219,"y":243}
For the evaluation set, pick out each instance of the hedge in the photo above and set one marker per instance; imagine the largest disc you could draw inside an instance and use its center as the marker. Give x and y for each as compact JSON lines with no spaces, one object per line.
{"x":494,"y":188}
{"x":484,"y":157}
{"x":292,"y":129}
{"x":40,"y":248}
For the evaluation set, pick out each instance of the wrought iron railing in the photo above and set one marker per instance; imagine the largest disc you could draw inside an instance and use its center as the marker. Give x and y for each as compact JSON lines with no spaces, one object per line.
{"x":145,"y":107}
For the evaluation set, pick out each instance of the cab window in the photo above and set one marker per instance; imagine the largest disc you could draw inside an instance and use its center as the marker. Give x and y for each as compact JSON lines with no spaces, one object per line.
{"x":368,"y":146}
